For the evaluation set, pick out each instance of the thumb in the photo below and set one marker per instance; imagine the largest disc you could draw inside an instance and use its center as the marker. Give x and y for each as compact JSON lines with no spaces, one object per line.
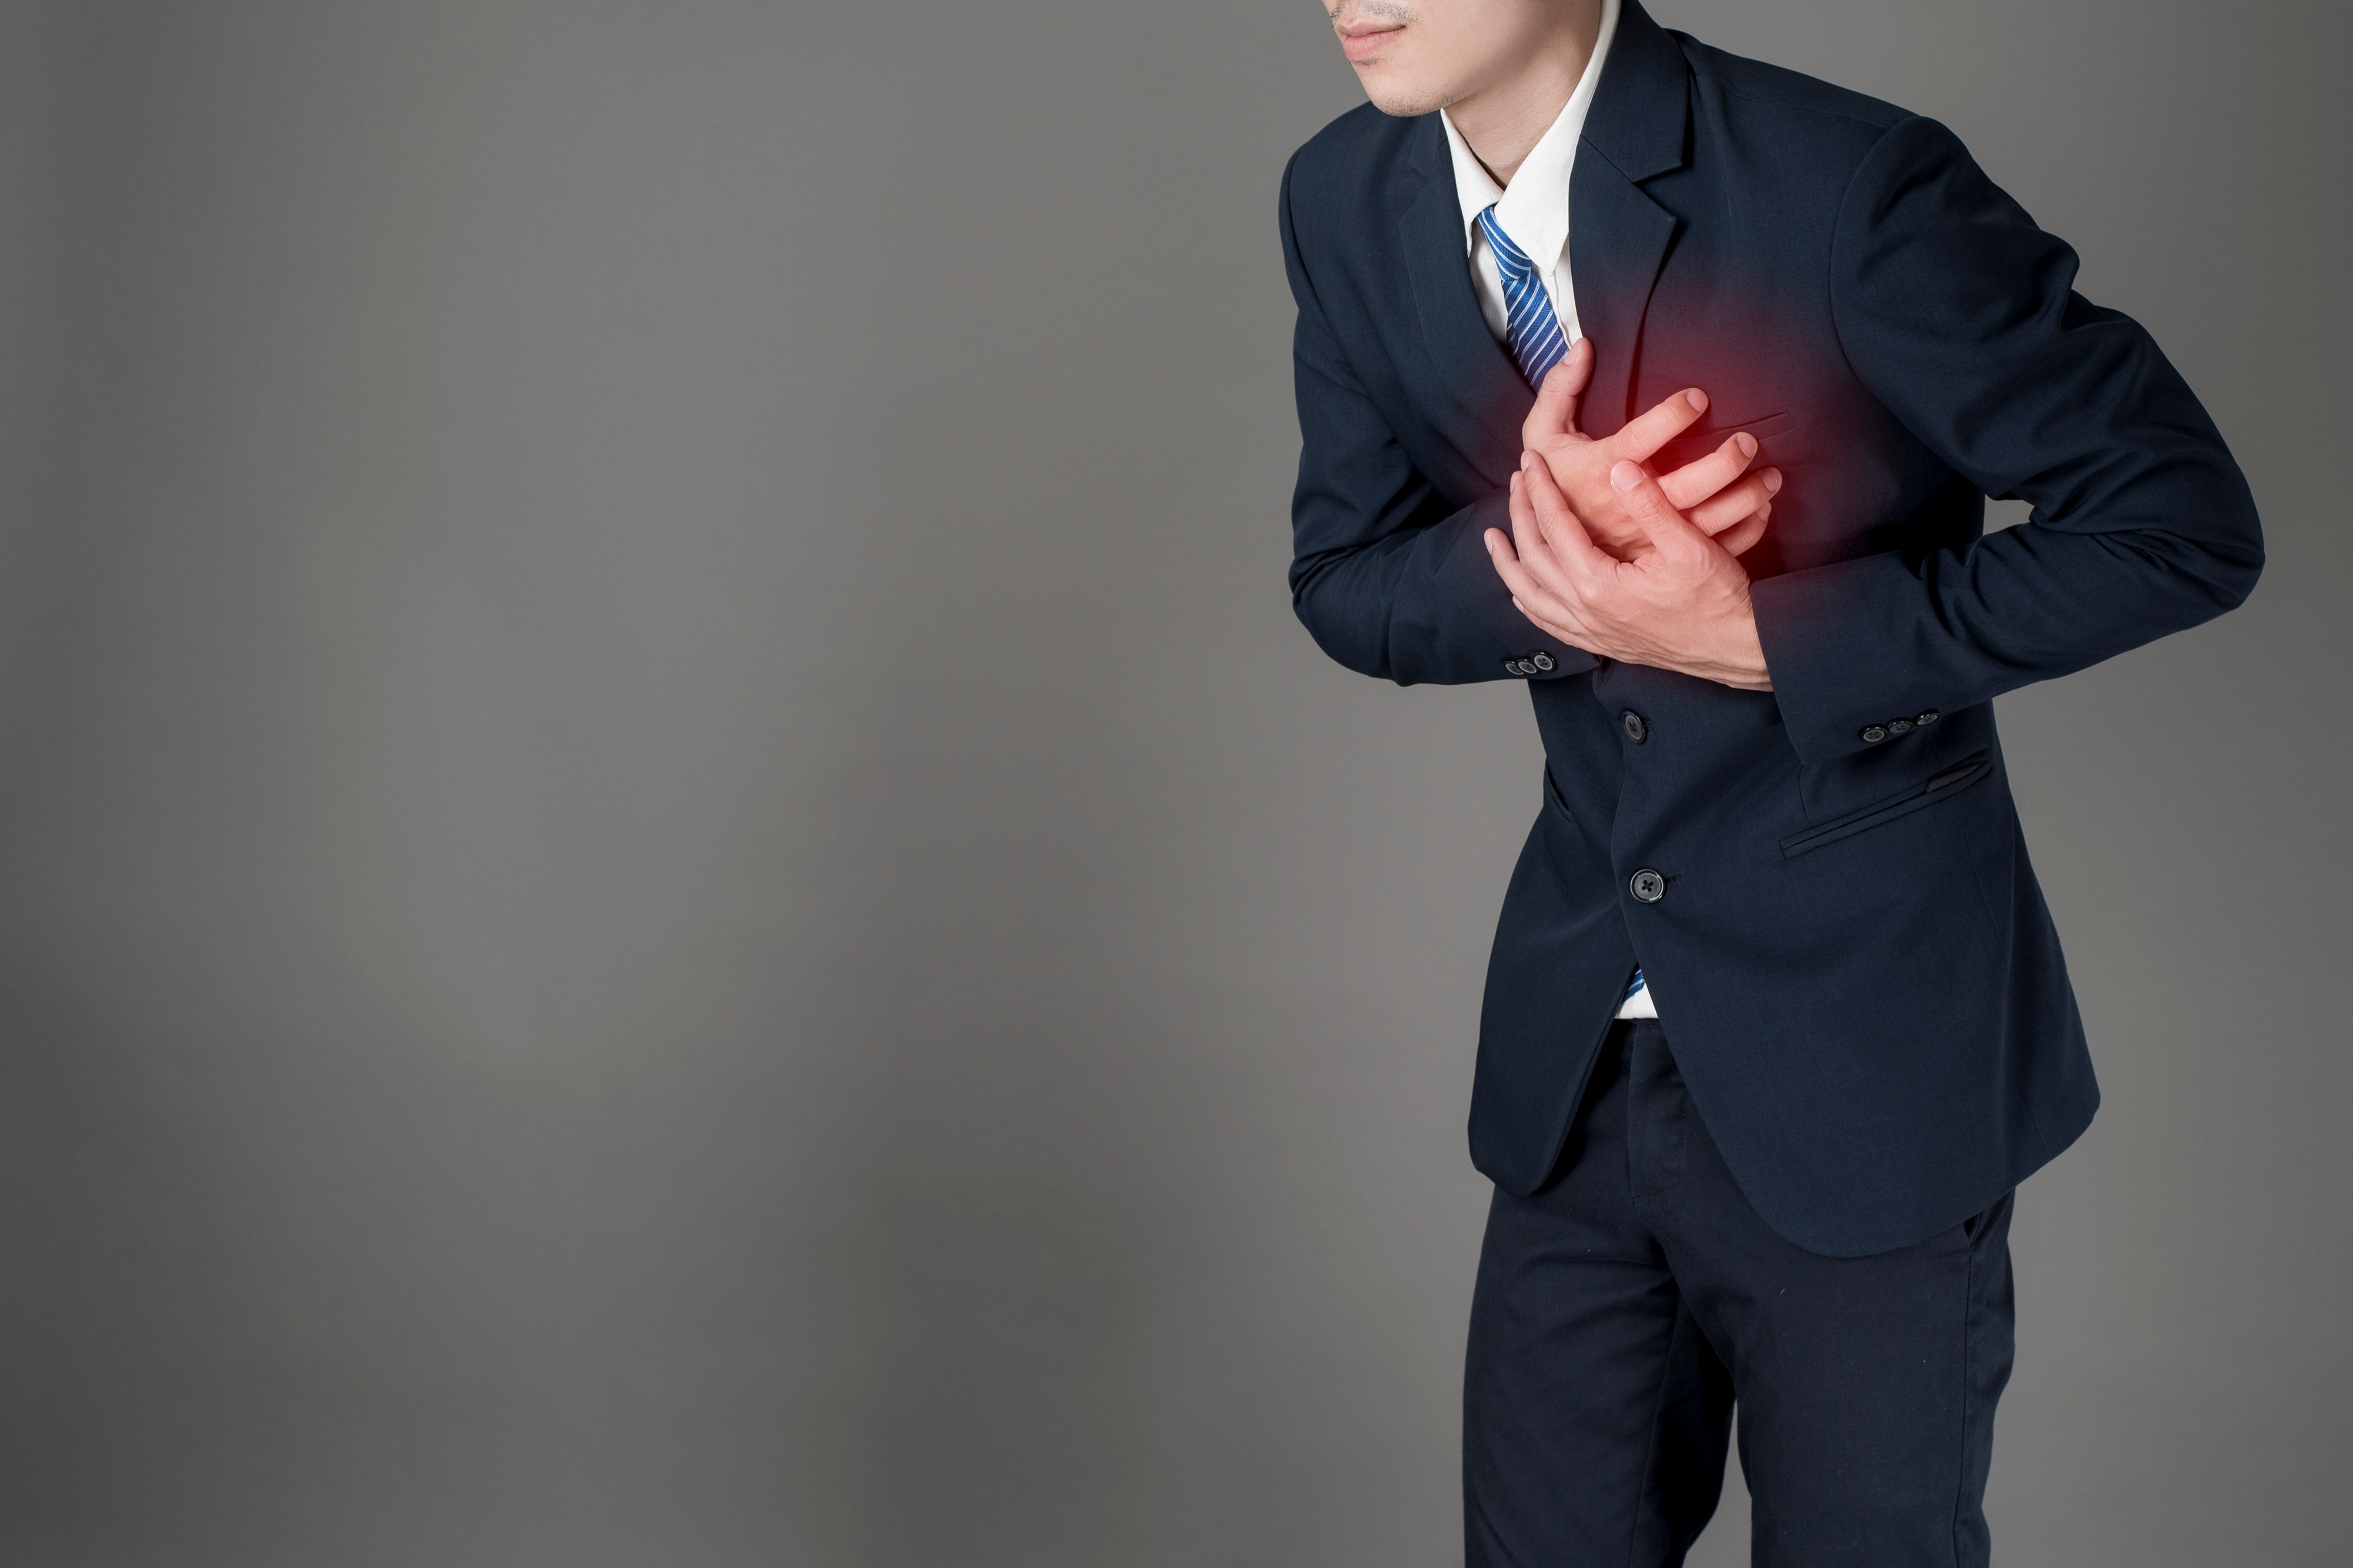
{"x":1672,"y":535}
{"x":1555,"y":414}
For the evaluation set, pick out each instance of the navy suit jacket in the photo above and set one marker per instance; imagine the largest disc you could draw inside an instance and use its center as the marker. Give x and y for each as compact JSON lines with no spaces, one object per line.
{"x":1851,"y":958}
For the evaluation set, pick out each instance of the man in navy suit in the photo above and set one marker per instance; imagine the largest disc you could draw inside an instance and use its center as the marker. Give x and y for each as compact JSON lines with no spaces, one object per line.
{"x":1672,"y":385}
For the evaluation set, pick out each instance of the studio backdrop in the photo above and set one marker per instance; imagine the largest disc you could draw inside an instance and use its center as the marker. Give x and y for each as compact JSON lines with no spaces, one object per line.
{"x":675,"y":890}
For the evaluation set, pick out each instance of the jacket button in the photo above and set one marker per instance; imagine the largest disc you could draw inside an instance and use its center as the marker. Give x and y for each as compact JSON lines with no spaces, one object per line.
{"x":1925,"y":717}
{"x":1636,"y":730}
{"x":1874,"y":734}
{"x":1543,"y":661}
{"x":1647,"y":886}
{"x":1899,"y":726}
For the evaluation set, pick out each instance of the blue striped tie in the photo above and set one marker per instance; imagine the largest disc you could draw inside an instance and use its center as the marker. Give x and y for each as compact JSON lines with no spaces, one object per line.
{"x":1529,"y":323}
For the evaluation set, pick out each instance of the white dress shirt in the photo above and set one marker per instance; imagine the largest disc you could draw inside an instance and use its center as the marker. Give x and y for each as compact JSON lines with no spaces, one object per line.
{"x":1534,"y":210}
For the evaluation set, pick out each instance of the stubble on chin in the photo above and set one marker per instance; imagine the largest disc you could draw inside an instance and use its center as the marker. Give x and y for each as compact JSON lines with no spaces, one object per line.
{"x":1393,"y":93}
{"x":1401,"y":105}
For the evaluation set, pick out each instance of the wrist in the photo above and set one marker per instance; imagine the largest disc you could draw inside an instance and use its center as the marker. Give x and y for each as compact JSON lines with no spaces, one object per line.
{"x":1750,"y":672}
{"x":1735,"y":656}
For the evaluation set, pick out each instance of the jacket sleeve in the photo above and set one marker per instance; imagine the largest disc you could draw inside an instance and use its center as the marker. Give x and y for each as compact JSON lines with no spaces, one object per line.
{"x":1390,"y":578}
{"x":1961,"y":317}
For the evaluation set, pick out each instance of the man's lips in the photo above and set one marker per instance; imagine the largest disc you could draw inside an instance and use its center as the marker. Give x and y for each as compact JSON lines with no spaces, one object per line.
{"x":1364,"y":46}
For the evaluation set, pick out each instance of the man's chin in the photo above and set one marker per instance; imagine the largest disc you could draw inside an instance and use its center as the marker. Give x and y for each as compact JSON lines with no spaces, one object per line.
{"x":1402,"y":99}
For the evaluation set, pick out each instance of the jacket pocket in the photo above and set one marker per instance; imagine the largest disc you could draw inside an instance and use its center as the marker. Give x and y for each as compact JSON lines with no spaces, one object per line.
{"x":1938,"y":787}
{"x":1553,"y":790}
{"x":1696,"y":444}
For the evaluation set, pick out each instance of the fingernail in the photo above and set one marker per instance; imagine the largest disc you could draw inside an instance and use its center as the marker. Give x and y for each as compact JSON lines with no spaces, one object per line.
{"x":1526,"y":459}
{"x":1772,"y":484}
{"x":1625,"y":476}
{"x":1746,"y":443}
{"x":1697,"y":399}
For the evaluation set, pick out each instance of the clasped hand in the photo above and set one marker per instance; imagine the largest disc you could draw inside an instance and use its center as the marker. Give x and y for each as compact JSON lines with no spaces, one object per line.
{"x":1628,"y":566}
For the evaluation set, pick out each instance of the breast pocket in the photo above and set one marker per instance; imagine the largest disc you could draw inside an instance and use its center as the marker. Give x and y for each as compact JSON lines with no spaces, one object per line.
{"x":1937,"y":787}
{"x":1699,"y":442}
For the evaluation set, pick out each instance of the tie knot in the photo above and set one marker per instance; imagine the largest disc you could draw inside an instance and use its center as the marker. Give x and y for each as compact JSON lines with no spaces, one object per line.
{"x":1508,"y":255}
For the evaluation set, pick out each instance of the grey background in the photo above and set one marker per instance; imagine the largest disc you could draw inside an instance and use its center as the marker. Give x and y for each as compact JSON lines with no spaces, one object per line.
{"x":673,"y":887}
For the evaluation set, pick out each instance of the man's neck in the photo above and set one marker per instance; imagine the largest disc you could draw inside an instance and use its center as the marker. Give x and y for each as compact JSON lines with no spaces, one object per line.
{"x":1504,"y":119}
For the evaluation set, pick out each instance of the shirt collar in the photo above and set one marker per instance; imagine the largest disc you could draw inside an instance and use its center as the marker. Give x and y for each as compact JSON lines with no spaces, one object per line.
{"x":1534,"y":210}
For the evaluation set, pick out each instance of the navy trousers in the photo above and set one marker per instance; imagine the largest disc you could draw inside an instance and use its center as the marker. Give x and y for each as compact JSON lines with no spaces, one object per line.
{"x":1623,"y":1311}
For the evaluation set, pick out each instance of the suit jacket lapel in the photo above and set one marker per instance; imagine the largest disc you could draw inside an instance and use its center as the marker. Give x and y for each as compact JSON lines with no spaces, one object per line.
{"x":1617,"y":239}
{"x":1481,"y":398}
{"x":1618,"y":235}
